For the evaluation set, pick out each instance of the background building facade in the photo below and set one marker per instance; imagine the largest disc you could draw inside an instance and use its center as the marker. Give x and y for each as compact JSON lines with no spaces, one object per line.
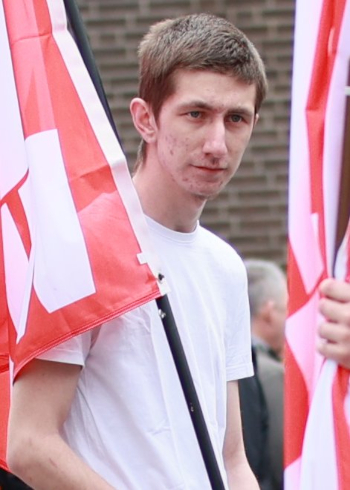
{"x":251,"y":213}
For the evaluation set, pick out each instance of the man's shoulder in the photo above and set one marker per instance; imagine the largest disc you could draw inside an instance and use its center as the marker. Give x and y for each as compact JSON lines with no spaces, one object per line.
{"x":223,"y":259}
{"x":269,"y":367}
{"x":218,"y":243}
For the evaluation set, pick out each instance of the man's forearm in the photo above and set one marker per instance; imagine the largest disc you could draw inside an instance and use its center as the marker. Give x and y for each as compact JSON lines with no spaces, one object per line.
{"x":241,"y":477}
{"x":49,"y":464}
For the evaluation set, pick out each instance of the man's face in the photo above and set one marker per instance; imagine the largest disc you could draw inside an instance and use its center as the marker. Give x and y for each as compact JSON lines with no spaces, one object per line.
{"x":202,"y":131}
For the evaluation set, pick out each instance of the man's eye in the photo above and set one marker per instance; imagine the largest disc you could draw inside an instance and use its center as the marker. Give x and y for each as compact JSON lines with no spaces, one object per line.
{"x":235,"y":118}
{"x":194,"y":114}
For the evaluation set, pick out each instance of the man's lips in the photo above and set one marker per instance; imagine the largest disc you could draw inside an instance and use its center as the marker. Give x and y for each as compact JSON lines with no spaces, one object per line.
{"x":210,"y":169}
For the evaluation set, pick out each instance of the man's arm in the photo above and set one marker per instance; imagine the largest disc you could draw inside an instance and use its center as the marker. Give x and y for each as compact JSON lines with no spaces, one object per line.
{"x":240,"y":476}
{"x":41,"y":399}
{"x":335,"y":330}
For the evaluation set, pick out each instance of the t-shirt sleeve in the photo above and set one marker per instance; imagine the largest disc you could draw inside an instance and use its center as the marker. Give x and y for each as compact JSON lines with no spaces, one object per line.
{"x":72,"y":351}
{"x":238,"y":331}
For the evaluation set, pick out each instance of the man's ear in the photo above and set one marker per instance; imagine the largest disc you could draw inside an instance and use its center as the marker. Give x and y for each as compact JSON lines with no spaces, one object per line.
{"x":256,"y":119}
{"x":266,"y":311}
{"x":143,"y":119}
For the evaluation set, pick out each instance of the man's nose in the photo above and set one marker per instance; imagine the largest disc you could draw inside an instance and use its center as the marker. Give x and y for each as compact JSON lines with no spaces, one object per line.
{"x":215,"y":140}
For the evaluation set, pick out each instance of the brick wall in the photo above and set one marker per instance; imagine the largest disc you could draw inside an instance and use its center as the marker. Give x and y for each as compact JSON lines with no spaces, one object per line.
{"x":251,"y":212}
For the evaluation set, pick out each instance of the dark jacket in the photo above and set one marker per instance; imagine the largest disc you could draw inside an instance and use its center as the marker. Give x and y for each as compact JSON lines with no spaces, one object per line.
{"x":271,"y":376}
{"x":255,"y":425}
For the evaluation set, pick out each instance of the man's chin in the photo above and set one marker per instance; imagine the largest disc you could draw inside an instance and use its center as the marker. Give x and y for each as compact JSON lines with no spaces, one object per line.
{"x":213,"y":196}
{"x":206,"y":196}
{"x":209,"y":194}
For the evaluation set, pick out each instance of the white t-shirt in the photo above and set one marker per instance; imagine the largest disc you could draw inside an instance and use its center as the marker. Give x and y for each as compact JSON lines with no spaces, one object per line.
{"x":129,"y":420}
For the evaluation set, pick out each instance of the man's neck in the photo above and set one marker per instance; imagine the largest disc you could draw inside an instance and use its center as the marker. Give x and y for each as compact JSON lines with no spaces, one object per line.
{"x":261,"y":344}
{"x":176,"y":212}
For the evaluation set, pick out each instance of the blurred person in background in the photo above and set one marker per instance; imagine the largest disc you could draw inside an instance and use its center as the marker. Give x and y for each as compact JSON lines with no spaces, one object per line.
{"x":268,"y":297}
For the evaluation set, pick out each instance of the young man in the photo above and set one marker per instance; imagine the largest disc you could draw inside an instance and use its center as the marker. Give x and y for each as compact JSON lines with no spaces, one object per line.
{"x":105,"y":410}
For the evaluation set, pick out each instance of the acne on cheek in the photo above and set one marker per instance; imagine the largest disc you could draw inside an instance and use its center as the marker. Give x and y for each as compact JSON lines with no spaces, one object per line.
{"x":171,"y":143}
{"x":187,"y":144}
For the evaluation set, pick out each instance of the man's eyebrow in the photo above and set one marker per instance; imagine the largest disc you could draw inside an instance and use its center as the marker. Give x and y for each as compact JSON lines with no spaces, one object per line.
{"x":198,"y":104}
{"x":242,"y":111}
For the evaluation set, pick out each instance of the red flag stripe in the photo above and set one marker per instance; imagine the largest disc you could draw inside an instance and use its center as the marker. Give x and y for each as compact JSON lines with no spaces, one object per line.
{"x":326,"y":49}
{"x":15,"y":206}
{"x":341,"y":427}
{"x":29,"y":50}
{"x":297,"y":407}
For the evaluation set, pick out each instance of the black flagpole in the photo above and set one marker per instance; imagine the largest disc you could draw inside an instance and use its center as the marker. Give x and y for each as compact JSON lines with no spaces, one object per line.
{"x":190,"y":393}
{"x":163,"y":303}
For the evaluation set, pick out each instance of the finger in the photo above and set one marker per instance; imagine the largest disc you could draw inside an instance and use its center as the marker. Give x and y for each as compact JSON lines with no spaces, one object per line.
{"x":335,"y":332}
{"x":335,"y":311}
{"x":335,"y":289}
{"x":334,"y":351}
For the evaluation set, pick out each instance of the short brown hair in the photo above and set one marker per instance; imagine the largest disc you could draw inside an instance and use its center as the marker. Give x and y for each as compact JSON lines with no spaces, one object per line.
{"x":196,"y":42}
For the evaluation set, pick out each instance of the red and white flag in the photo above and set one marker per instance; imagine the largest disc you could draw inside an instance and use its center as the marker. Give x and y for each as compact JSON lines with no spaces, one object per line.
{"x":74,"y":245}
{"x":317,"y":435}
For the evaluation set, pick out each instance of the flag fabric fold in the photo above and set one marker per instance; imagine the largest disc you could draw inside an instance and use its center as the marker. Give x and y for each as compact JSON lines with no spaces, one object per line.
{"x":317,"y":431}
{"x":74,"y":244}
